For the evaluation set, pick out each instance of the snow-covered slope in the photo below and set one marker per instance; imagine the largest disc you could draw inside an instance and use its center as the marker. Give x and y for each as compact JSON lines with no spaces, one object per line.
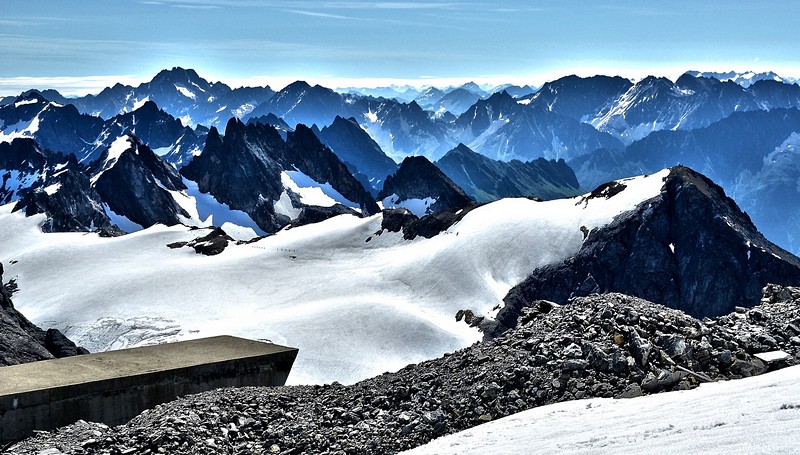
{"x":754,"y":415}
{"x":355,"y":303}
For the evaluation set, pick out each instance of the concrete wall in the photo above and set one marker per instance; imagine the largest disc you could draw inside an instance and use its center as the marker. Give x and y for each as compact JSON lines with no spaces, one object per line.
{"x":113,"y":387}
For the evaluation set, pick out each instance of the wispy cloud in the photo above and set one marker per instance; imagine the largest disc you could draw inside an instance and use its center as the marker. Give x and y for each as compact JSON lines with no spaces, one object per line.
{"x":183,"y":4}
{"x":313,"y":5}
{"x":323,"y":15}
{"x":67,"y":86}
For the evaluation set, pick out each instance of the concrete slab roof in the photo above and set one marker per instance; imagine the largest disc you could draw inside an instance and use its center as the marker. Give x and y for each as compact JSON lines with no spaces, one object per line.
{"x":48,"y":374}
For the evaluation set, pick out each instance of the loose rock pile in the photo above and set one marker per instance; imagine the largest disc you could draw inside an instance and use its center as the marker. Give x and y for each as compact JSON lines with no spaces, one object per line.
{"x":598,"y":346}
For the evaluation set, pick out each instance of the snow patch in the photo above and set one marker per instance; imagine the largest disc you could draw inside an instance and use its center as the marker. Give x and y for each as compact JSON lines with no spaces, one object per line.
{"x":312,"y":192}
{"x":185,"y":92}
{"x":140,"y":103}
{"x":52,"y":189}
{"x":115,"y":151}
{"x":419,"y":207}
{"x":757,"y":414}
{"x":25,"y":102}
{"x":284,"y":206}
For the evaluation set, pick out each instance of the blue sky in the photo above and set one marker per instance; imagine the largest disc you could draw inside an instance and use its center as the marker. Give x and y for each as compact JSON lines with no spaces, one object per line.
{"x":80,"y":46}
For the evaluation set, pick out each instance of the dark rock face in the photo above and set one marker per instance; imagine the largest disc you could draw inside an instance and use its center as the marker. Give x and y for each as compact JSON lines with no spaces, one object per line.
{"x":60,"y":128}
{"x":313,"y":214}
{"x":210,"y":244}
{"x":50,"y":183}
{"x":428,"y":226}
{"x":182,"y":93}
{"x":689,"y":248}
{"x":61,"y":346}
{"x":150,"y":124}
{"x":418,"y":178}
{"x":579,"y":97}
{"x":307,"y":154}
{"x":244,"y":169}
{"x":273,"y":121}
{"x":357,"y":149}
{"x":599,"y":346}
{"x":486,"y":180}
{"x":21,"y":341}
{"x":21,"y":163}
{"x":136,"y":184}
{"x":73,"y":207}
{"x":240,"y":171}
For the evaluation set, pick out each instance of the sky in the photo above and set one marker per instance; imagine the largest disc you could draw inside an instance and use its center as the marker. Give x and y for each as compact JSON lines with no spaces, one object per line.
{"x":83,"y":46}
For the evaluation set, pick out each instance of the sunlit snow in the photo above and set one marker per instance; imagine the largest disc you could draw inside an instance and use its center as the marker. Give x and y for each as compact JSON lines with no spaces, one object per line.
{"x":355,"y":303}
{"x":26,"y":102}
{"x":419,"y":207}
{"x":312,"y":192}
{"x":117,"y":148}
{"x":754,"y":415}
{"x":185,"y":92}
{"x":52,"y":189}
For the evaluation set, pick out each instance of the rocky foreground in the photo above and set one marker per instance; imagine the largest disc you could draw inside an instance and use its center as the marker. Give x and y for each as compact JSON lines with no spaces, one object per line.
{"x":608,"y":345}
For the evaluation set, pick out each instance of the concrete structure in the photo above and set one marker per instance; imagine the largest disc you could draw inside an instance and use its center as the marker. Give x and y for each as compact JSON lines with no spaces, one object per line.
{"x":113,"y":387}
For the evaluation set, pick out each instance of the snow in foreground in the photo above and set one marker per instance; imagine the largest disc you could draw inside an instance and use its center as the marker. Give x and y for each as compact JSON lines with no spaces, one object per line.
{"x":356,"y":304}
{"x":754,"y":415}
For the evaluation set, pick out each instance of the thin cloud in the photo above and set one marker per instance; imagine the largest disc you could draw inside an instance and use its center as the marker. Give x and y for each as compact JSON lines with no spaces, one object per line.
{"x":323,"y":15}
{"x":67,"y":86}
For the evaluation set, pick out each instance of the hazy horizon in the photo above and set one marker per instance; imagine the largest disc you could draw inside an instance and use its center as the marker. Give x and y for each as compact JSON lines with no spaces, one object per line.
{"x":79,"y":86}
{"x":81,"y":47}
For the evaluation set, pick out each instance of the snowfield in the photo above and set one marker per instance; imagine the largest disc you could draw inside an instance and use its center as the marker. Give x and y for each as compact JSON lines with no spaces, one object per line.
{"x":754,"y":415}
{"x":355,"y":303}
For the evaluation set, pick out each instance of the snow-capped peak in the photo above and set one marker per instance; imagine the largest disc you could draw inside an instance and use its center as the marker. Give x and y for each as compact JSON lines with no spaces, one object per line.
{"x":115,"y":151}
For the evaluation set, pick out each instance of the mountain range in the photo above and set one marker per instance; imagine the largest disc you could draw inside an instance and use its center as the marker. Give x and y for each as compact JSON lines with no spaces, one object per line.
{"x":604,"y":128}
{"x":590,"y":232}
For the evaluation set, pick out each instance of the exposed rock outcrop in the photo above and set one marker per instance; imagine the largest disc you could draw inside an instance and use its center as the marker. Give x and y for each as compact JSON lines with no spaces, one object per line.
{"x":689,"y":248}
{"x":21,"y":341}
{"x":136,"y":183}
{"x":423,"y":188}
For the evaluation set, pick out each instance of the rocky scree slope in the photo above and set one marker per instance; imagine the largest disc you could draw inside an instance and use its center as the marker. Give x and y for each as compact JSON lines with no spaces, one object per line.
{"x":689,"y":248}
{"x":608,"y":345}
{"x":21,"y":341}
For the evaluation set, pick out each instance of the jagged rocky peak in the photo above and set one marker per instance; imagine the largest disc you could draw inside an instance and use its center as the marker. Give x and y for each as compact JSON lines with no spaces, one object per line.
{"x":317,"y":161}
{"x":21,"y":154}
{"x":64,"y":194}
{"x":689,"y":248}
{"x":40,"y":181}
{"x":579,"y":97}
{"x":421,"y":187}
{"x":240,"y":170}
{"x":253,"y":170}
{"x":181,"y":77}
{"x":135,"y":183}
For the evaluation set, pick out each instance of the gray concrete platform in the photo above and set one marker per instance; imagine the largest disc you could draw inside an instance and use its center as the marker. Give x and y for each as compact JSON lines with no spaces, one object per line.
{"x":113,"y":387}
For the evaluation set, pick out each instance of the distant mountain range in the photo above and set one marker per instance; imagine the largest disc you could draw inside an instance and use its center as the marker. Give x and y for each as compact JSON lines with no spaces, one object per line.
{"x":739,"y":128}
